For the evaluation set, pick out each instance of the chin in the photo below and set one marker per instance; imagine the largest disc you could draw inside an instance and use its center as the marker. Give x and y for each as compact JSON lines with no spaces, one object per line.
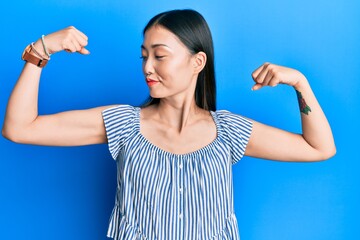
{"x":155,"y":94}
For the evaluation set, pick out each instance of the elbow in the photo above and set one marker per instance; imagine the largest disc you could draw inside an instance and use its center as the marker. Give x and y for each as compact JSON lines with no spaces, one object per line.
{"x":8,"y":134}
{"x":5,"y":133}
{"x":326,"y":154}
{"x":11,"y":134}
{"x":331,"y":153}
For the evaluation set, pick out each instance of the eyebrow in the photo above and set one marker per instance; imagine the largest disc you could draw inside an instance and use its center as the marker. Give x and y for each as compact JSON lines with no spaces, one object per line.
{"x":155,"y":46}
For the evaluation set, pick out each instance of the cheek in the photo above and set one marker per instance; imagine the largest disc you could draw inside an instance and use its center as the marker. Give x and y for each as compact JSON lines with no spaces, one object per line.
{"x":178,"y":71}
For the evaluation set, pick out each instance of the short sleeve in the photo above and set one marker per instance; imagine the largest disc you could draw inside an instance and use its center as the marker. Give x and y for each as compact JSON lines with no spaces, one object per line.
{"x":235,"y":131}
{"x":119,"y":123}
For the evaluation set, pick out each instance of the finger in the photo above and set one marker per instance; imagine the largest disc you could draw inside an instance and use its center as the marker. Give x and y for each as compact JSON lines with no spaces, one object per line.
{"x":273,"y":82}
{"x":79,"y":47}
{"x":84,"y":51}
{"x":82,"y":41}
{"x":269,"y":76}
{"x":69,"y":46}
{"x":82,"y":35}
{"x":261,"y":76}
{"x":257,"y":71}
{"x":257,"y":86}
{"x":75,"y":35}
{"x":77,"y":44}
{"x":255,"y":74}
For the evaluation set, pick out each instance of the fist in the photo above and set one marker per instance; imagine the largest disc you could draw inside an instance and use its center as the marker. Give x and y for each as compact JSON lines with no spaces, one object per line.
{"x":271,"y":75}
{"x":69,"y":39}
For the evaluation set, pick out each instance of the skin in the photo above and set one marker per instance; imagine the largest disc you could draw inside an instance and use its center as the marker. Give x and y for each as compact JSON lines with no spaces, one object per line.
{"x":176,"y":124}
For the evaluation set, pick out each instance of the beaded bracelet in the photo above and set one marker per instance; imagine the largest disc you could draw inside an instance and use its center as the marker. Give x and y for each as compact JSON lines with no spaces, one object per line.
{"x":36,"y":52}
{"x":45,"y":49}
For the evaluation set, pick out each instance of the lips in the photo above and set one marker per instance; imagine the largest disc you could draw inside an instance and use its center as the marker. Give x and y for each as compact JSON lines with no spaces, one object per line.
{"x":151,"y":82}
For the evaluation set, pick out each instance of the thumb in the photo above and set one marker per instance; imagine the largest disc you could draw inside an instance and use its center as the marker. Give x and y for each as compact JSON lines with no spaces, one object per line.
{"x":84,"y":51}
{"x":257,"y":86}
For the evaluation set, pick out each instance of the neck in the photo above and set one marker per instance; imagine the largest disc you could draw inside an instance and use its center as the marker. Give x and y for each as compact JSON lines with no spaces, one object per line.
{"x":177,"y":114}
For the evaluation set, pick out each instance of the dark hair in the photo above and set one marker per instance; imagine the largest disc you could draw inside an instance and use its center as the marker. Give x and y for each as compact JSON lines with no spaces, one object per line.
{"x":193,"y":31}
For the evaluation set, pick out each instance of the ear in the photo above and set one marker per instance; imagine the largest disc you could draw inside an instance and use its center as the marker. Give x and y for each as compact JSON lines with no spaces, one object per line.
{"x":199,"y":61}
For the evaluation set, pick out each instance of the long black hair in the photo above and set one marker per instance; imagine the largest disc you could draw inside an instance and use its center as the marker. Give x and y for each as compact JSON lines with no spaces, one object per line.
{"x":193,"y":31}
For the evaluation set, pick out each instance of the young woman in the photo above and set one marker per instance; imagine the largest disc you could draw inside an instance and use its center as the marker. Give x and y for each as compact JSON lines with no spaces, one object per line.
{"x":175,"y":154}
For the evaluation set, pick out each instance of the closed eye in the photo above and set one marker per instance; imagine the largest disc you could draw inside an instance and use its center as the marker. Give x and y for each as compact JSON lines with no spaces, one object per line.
{"x":157,"y":57}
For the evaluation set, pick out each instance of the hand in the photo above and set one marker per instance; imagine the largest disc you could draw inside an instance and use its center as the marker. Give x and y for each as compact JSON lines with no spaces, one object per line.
{"x":69,"y":39}
{"x":271,"y":75}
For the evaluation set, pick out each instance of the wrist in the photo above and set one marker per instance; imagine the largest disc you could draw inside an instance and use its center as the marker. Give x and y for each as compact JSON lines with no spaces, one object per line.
{"x":301,"y":83}
{"x":31,"y":55}
{"x":39,"y":48}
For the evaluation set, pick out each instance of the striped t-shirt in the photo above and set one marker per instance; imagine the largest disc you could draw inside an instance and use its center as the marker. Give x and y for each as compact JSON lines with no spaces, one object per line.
{"x":166,"y":196}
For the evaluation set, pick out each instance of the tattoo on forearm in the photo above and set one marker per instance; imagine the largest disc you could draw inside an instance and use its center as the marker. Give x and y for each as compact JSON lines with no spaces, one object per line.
{"x":304,"y":108}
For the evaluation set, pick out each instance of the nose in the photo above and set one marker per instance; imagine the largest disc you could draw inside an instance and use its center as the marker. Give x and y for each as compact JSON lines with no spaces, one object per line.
{"x":148,"y":67}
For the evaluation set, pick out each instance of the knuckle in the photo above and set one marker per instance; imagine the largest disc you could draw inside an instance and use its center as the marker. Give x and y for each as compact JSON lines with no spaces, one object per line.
{"x":273,"y":70}
{"x":66,"y":46}
{"x":63,"y":45}
{"x":70,"y":31}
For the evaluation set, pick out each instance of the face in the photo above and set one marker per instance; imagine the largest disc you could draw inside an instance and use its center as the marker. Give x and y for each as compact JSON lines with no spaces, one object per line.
{"x":168,"y":65}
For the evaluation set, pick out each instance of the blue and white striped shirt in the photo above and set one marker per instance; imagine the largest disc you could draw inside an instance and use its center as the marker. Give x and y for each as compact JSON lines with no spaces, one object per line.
{"x":166,"y":196}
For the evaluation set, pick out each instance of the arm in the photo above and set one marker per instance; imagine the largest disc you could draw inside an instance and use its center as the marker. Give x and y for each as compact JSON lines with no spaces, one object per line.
{"x":316,"y":141}
{"x":22,"y":123}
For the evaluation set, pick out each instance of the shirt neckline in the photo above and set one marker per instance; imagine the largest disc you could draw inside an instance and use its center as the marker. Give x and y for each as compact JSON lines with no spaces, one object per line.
{"x":159,"y":149}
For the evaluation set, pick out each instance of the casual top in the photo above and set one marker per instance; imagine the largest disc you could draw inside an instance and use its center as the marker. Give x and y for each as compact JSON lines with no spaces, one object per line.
{"x":166,"y":196}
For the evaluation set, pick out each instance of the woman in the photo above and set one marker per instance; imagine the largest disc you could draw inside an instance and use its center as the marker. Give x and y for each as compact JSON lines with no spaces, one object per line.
{"x":174,"y":155}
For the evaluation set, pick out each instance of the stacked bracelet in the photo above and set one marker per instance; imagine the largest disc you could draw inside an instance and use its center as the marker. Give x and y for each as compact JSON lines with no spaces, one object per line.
{"x":44,"y":46}
{"x":35,"y":59}
{"x":36,"y":52}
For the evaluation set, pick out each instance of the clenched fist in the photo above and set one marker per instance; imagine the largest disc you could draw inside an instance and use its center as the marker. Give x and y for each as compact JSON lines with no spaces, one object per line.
{"x":69,"y":39}
{"x":271,"y":75}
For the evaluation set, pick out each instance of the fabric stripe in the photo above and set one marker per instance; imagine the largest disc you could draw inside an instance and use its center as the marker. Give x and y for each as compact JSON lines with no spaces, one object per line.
{"x":161,"y":195}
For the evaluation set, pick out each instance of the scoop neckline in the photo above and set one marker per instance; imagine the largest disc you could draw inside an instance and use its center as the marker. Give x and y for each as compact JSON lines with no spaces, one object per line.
{"x":195,"y":152}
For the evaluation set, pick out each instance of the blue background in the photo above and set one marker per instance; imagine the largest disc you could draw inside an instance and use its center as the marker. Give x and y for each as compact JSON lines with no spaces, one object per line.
{"x":68,"y":192}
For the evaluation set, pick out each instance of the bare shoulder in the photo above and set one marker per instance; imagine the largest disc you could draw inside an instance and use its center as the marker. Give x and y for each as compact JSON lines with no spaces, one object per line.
{"x":148,"y":112}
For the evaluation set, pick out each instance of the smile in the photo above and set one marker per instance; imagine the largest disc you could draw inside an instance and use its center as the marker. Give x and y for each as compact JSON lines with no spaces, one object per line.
{"x":151,"y":82}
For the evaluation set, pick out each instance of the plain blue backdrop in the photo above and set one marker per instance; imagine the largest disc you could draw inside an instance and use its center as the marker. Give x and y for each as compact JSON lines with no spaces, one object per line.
{"x":68,"y":192}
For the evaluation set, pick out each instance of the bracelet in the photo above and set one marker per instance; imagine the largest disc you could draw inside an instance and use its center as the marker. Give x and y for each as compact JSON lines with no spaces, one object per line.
{"x":36,"y":52}
{"x":33,"y":58}
{"x":45,"y":49}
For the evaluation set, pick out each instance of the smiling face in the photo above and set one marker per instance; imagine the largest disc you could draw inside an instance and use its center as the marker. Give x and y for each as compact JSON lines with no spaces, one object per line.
{"x":168,"y":65}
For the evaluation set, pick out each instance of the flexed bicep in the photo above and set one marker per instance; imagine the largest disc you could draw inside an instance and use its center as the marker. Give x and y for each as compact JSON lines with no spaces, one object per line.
{"x":271,"y":143}
{"x":70,"y":128}
{"x":23,"y":124}
{"x":316,"y":141}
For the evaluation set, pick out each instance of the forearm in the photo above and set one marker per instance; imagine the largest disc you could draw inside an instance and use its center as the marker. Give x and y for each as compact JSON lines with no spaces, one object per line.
{"x":316,"y":130}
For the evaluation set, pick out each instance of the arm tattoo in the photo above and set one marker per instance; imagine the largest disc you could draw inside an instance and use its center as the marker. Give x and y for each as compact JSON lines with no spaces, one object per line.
{"x":304,"y":108}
